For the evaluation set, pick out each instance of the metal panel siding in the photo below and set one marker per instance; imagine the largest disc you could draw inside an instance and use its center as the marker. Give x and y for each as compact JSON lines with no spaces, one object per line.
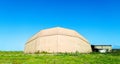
{"x":57,"y":40}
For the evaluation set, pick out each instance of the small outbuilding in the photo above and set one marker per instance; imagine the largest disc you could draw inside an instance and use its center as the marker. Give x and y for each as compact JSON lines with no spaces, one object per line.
{"x":56,"y":40}
{"x":102,"y":48}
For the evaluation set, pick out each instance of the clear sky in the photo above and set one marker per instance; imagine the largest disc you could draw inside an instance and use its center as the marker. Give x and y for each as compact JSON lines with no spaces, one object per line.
{"x":97,"y":20}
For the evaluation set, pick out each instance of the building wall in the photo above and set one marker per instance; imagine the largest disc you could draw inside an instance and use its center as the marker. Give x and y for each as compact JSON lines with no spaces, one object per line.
{"x":106,"y":47}
{"x":58,"y":43}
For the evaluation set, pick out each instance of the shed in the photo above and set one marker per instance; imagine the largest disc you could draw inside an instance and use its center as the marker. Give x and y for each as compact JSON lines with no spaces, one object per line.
{"x":101,"y":48}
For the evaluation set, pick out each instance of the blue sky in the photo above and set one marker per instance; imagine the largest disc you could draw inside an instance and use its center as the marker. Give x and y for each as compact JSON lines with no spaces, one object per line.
{"x":97,"y":20}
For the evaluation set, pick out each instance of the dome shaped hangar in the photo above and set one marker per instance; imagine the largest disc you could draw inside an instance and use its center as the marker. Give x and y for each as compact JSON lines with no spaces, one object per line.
{"x":56,"y":40}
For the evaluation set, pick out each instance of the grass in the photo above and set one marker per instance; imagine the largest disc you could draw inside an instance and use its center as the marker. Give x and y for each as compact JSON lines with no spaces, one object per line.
{"x":18,"y":57}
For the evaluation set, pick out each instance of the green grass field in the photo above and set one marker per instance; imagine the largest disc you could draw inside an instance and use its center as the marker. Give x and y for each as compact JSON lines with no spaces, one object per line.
{"x":61,"y":58}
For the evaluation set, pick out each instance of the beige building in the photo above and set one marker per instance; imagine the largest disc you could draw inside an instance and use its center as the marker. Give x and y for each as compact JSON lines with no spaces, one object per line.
{"x":56,"y":40}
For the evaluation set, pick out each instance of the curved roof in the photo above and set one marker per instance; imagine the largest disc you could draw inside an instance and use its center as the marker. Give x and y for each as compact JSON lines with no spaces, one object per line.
{"x":57,"y":31}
